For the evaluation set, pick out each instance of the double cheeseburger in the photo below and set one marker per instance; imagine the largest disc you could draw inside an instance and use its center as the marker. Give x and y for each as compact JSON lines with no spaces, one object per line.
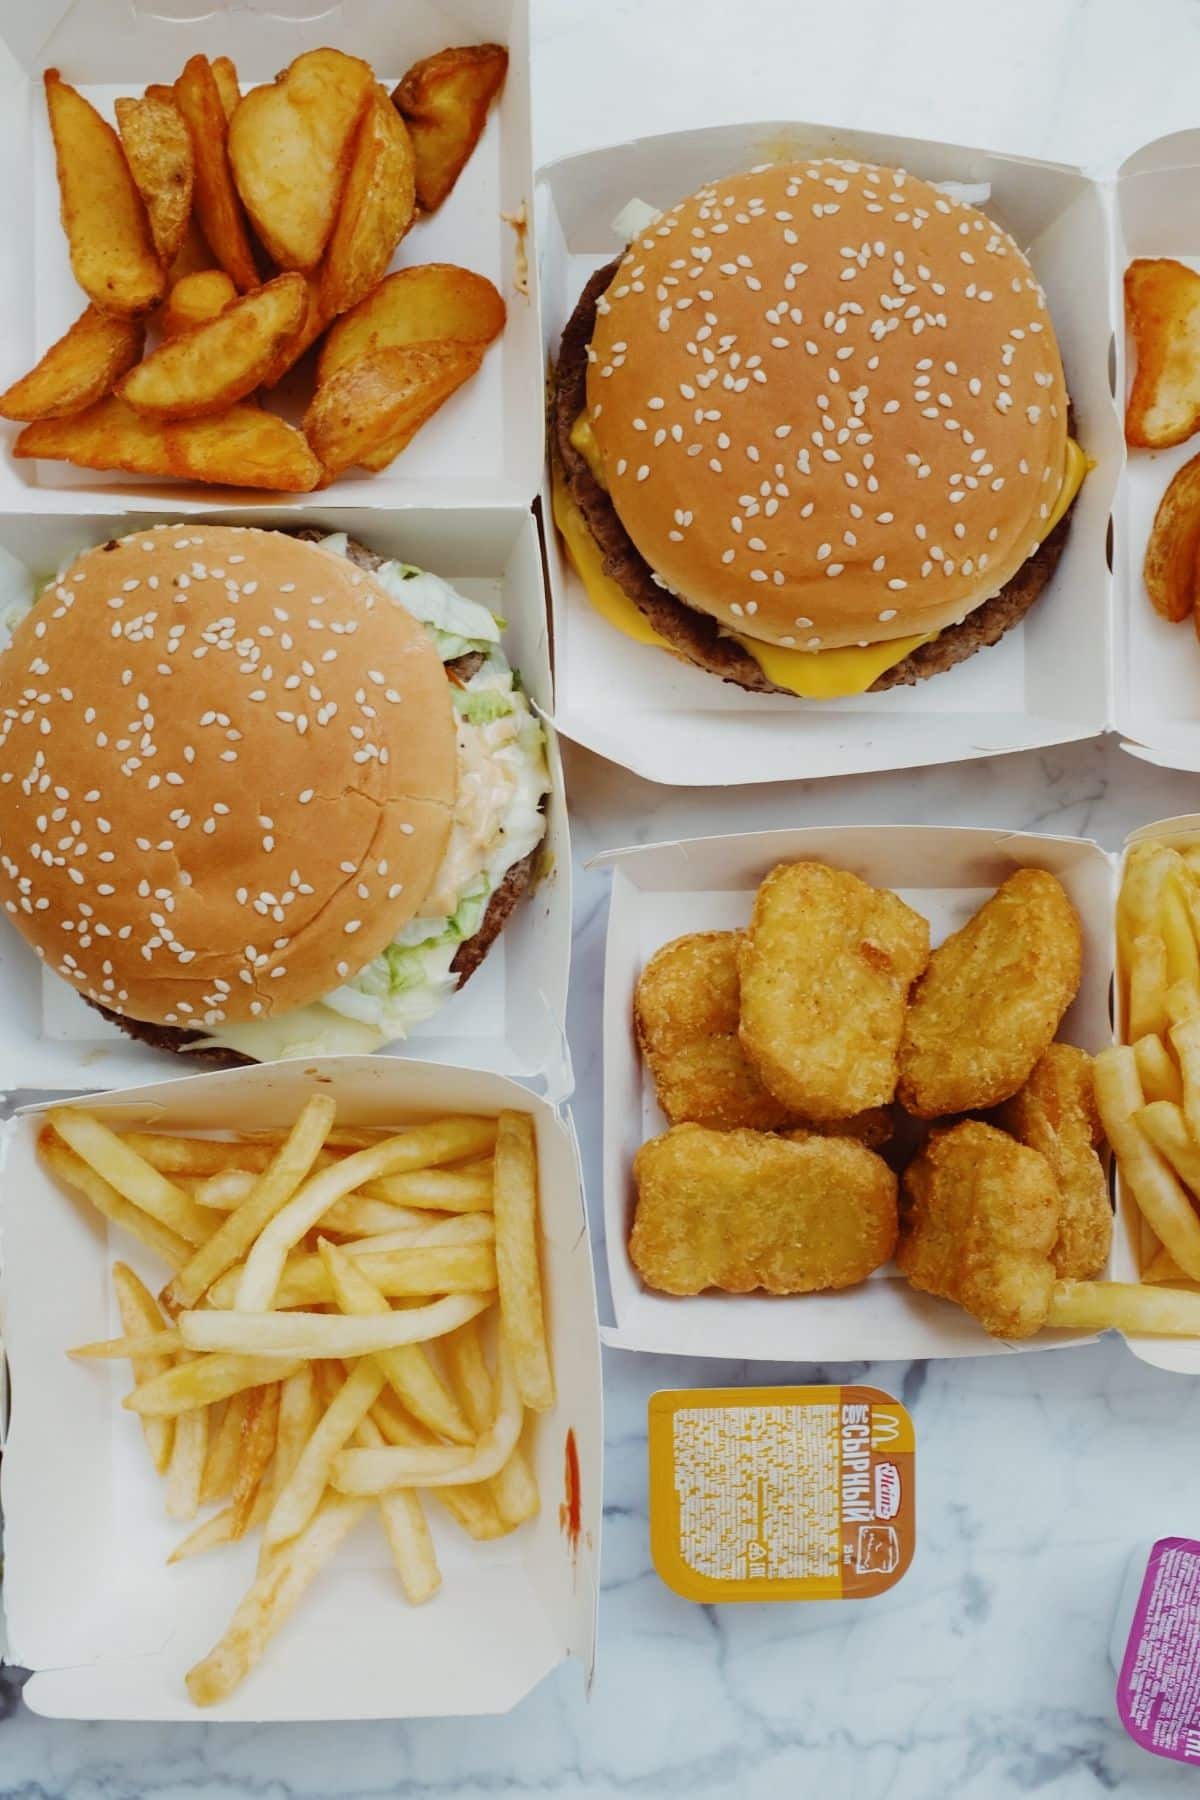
{"x":262,"y":795}
{"x":811,"y":431}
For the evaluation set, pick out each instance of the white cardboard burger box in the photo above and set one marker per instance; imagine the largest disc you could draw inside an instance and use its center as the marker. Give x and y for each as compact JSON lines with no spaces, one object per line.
{"x":703,"y":884}
{"x":89,"y":1602}
{"x":1049,"y":681}
{"x":486,"y":442}
{"x":510,"y":1016}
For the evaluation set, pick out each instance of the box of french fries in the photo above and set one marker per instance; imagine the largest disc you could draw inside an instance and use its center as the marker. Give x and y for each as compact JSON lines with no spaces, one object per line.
{"x":510,"y":1015}
{"x":674,"y":723}
{"x":250,"y":251}
{"x":756,"y":984}
{"x":306,"y":1412}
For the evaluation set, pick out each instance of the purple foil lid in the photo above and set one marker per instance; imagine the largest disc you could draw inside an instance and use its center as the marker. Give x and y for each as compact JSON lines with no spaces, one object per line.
{"x":1158,"y":1690}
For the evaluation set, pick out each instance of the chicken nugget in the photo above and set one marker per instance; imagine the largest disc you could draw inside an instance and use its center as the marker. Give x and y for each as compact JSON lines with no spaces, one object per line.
{"x":979,"y":1225}
{"x":874,"y":1127}
{"x":740,"y":1210}
{"x":825,"y":968}
{"x":1055,"y":1113}
{"x":991,"y":999}
{"x":685,"y":1013}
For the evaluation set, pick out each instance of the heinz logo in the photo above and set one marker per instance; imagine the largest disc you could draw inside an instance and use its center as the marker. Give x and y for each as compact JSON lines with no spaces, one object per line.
{"x":887,"y":1490}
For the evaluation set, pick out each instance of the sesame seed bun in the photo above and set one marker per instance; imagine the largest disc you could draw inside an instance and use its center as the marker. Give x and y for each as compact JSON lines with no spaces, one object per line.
{"x":227,"y":772}
{"x":829,"y":403}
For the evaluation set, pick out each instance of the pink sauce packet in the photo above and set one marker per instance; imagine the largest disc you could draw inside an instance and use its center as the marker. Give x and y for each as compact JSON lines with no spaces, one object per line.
{"x":1158,"y":1687}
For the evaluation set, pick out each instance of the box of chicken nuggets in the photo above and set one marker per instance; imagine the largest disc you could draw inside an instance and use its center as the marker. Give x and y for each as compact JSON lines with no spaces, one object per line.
{"x":292,"y":199}
{"x":848,"y":1111}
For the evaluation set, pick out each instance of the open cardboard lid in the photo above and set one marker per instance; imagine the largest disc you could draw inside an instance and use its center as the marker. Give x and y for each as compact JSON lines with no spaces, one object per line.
{"x":486,"y":443}
{"x":672,"y":723}
{"x":89,"y":1602}
{"x":511,"y":1015}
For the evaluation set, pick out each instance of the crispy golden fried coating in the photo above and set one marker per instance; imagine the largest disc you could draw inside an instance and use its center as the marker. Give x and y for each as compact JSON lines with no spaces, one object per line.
{"x":825,"y":968}
{"x":685,"y":1012}
{"x":991,"y":999}
{"x":1055,"y":1113}
{"x":873,"y":1127}
{"x":741,"y":1210}
{"x":979,"y":1226}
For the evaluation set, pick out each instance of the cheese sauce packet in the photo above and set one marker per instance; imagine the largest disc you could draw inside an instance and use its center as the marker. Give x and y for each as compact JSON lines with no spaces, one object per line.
{"x":1156,"y":1650}
{"x":781,"y":1493}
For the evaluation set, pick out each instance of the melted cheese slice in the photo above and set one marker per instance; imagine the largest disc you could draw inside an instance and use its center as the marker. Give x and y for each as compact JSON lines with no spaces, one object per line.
{"x":812,"y":675}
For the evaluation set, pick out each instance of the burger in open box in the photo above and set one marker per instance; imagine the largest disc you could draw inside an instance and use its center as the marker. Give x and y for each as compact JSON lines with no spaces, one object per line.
{"x":262,"y":794}
{"x":811,"y":431}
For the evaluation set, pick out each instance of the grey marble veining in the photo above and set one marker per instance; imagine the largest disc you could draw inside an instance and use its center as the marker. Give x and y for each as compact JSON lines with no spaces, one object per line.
{"x":985,"y":1673}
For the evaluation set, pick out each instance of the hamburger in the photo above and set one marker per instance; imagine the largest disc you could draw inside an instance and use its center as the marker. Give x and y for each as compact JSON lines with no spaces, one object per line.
{"x":262,"y":794}
{"x":811,"y":431}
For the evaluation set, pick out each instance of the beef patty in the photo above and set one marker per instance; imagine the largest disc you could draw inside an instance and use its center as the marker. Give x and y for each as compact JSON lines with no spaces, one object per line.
{"x":697,"y":637}
{"x":468,"y":956}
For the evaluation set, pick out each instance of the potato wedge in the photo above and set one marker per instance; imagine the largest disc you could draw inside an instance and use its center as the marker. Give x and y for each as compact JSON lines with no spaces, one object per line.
{"x":290,"y":146}
{"x":444,"y":101}
{"x":195,"y":299}
{"x":432,"y":303}
{"x":194,"y":254}
{"x":159,"y":153}
{"x":244,"y":447}
{"x":112,"y":252}
{"x":377,"y":207}
{"x":1169,"y":566}
{"x":79,"y":369}
{"x":217,"y":206}
{"x":226,"y":77}
{"x":1162,"y":302}
{"x":313,"y":324}
{"x":206,"y":370}
{"x":383,"y":396}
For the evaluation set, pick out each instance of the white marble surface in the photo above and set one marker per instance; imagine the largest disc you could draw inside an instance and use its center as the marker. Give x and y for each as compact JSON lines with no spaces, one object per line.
{"x":985,"y":1673}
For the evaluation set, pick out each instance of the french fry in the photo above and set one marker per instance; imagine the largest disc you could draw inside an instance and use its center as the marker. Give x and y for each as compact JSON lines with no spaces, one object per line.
{"x":242,"y":1337}
{"x":437,"y":1190}
{"x":224,"y":1192}
{"x":1162,"y":1268}
{"x":77,"y":1174}
{"x":244,"y":447}
{"x":1166,"y":1127}
{"x":406,"y":1530}
{"x":274,"y":1595}
{"x":139,"y":1314}
{"x":158,"y":150}
{"x":191,"y":1385}
{"x":217,"y":206}
{"x":198,"y":1155}
{"x":471,"y":1507}
{"x":259,"y":1429}
{"x":357,"y":1216}
{"x":514,"y":1488}
{"x":1182,"y":1001}
{"x":112,"y":255}
{"x":407,"y":1369}
{"x":224,"y":1448}
{"x":298,"y":1415}
{"x":83,"y":366}
{"x":185,"y":1472}
{"x":288,"y":1168}
{"x":300,"y":1497}
{"x":444,"y":100}
{"x":429,"y":1231}
{"x":226,"y":77}
{"x":376,"y":208}
{"x":112,"y":1159}
{"x":1159,"y":1076}
{"x":400,"y":1274}
{"x":1125,"y":1306}
{"x":195,"y":299}
{"x":444,"y":1140}
{"x":214,"y":365}
{"x":1185,"y":1041}
{"x":517,"y":1265}
{"x":1154,"y":1187}
{"x":149,"y":1344}
{"x":1175,"y":923}
{"x":218,"y":1529}
{"x":377,"y":1471}
{"x":1147,"y":971}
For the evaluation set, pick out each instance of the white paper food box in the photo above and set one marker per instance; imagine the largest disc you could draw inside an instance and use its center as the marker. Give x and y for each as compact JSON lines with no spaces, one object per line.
{"x":486,"y":442}
{"x":89,"y":1602}
{"x":510,"y":1016}
{"x":660,"y":891}
{"x":1090,"y":657}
